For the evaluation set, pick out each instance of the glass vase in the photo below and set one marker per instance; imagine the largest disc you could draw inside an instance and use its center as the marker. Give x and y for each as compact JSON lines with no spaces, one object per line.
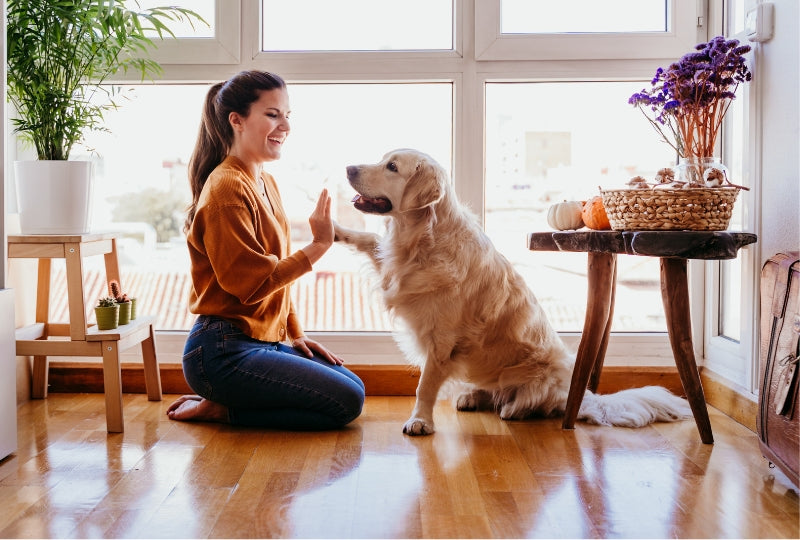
{"x":701,"y":172}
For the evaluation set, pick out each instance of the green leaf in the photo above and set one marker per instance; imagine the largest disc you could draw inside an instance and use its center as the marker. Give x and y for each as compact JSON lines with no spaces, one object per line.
{"x":60,"y":52}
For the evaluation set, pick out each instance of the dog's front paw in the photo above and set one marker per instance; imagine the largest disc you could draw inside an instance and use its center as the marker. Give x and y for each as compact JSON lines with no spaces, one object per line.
{"x":418,"y":426}
{"x":474,"y":400}
{"x":339,"y":233}
{"x":512,"y":411}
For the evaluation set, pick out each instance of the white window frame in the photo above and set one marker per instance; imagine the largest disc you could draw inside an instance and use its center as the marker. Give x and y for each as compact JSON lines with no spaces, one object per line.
{"x":223,"y":48}
{"x":737,"y":361}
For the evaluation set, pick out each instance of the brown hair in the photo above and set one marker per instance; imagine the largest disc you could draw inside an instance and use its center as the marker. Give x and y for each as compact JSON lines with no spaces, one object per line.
{"x":215,"y":137}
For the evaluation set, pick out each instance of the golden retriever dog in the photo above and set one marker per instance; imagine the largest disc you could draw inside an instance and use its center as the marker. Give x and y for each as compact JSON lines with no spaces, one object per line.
{"x":470,"y":316}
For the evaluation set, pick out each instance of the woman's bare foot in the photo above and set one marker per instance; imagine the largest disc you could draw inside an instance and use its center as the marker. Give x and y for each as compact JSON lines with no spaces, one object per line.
{"x":195,"y":408}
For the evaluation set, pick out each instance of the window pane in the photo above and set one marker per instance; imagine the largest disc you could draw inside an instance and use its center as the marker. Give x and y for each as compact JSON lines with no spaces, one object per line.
{"x":583,"y":16}
{"x":730,"y":295}
{"x":548,"y":142}
{"x":356,"y":25}
{"x":730,"y":272}
{"x":736,"y":15}
{"x":182,"y":29}
{"x":335,"y":125}
{"x":142,"y":189}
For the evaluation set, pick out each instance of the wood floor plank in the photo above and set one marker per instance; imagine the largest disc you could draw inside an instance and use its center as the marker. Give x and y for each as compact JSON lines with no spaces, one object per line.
{"x":476,"y":477}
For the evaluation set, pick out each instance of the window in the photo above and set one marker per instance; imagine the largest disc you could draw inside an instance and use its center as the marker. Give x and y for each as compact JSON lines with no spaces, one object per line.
{"x":217,"y":43}
{"x":548,"y":142}
{"x":184,"y":30}
{"x":356,"y":25}
{"x":144,"y":192}
{"x":584,"y":16}
{"x":731,"y":348}
{"x":335,"y":125}
{"x":516,"y":125}
{"x":585,"y":29}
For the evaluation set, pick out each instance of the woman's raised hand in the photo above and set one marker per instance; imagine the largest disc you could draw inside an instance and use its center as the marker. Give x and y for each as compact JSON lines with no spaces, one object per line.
{"x":321,"y":228}
{"x":320,"y":219}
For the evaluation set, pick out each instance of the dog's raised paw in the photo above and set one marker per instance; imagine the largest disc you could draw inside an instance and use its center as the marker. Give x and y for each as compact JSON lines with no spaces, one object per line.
{"x":339,"y":234}
{"x":418,"y":426}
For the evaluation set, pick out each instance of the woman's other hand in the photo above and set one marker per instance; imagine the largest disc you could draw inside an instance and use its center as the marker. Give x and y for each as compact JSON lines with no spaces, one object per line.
{"x":308,"y":347}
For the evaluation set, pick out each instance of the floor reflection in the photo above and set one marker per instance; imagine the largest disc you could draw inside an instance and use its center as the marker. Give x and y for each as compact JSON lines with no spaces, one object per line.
{"x":477,"y":476}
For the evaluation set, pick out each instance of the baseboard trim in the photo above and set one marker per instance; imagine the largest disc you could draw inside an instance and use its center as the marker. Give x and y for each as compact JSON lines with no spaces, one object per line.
{"x":729,"y":398}
{"x":380,"y":380}
{"x":87,"y":377}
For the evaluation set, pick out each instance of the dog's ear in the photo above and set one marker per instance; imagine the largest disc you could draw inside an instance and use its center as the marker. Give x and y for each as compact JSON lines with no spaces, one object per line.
{"x":424,"y":188}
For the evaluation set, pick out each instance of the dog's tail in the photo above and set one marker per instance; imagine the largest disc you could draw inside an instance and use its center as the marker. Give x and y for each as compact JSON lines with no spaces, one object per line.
{"x":635,"y":407}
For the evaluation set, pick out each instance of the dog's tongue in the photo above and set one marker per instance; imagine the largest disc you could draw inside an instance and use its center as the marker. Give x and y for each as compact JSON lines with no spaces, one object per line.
{"x":370,"y":205}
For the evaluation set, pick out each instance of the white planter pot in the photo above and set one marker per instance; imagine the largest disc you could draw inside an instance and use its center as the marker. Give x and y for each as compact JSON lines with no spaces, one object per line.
{"x":54,"y":197}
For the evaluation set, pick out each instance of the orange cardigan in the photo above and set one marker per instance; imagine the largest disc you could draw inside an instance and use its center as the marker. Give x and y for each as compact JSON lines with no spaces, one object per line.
{"x":239,"y":251}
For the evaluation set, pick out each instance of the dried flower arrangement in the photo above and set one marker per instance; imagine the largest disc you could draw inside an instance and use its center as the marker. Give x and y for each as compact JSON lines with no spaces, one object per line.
{"x":688,"y":101}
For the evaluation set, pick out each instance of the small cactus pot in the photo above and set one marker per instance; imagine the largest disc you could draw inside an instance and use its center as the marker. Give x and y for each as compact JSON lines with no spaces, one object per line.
{"x":107,"y":317}
{"x":133,"y":308}
{"x":124,"y":312}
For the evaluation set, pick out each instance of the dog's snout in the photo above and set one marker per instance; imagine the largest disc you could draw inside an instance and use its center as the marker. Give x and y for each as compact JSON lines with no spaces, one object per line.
{"x":352,"y":172}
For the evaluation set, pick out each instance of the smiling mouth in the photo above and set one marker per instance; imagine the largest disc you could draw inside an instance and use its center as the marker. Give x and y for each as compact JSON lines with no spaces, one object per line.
{"x":370,"y":205}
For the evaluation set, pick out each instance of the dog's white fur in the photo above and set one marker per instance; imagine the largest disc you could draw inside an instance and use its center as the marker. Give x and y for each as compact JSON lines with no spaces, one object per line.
{"x":470,"y":315}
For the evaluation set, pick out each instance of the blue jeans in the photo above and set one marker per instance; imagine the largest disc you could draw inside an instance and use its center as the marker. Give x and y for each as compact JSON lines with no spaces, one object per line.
{"x":268,"y":384}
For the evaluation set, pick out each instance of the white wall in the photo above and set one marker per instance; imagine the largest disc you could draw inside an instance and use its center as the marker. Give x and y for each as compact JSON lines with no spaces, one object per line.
{"x":779,"y":79}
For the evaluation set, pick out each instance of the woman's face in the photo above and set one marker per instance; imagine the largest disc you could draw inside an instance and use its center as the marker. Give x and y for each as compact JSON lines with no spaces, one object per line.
{"x":260,"y":136}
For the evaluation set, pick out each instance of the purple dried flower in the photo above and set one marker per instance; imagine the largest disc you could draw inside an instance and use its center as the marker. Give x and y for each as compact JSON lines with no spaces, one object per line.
{"x":690,"y":98}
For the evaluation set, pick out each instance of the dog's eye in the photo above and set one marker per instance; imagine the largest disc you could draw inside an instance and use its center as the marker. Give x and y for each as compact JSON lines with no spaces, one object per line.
{"x":392,"y":166}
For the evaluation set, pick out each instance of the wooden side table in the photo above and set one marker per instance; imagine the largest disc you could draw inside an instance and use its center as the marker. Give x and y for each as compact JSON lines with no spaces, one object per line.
{"x":673,"y":248}
{"x":45,"y":338}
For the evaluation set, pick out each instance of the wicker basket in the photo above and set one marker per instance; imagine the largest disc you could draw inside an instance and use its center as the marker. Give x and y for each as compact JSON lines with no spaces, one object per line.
{"x":695,"y":209}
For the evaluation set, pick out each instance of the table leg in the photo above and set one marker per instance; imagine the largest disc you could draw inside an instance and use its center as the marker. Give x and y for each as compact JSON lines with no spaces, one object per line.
{"x":75,"y":293}
{"x":112,"y":386}
{"x":601,"y":274}
{"x":41,"y":363}
{"x":152,"y":375}
{"x":594,"y":379}
{"x":675,"y":294}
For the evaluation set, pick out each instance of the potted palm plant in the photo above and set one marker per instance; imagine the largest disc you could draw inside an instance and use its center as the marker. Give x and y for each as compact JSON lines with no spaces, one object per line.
{"x":59,"y":54}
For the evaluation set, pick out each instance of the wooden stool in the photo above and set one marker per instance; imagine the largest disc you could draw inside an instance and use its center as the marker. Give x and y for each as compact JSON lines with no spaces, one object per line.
{"x":673,"y":248}
{"x":83,"y":340}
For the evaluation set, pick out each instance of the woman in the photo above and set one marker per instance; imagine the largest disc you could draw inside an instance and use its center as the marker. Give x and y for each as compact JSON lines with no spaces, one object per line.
{"x":236,"y":357}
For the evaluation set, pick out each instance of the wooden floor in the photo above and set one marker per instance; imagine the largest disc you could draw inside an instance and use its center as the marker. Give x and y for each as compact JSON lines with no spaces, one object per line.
{"x":478,"y":476}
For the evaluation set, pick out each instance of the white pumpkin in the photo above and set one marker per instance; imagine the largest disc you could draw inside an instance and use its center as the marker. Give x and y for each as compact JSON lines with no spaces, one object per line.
{"x":565,"y":215}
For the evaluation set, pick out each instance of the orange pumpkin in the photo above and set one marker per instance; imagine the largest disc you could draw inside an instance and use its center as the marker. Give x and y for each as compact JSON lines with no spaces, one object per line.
{"x":594,"y":214}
